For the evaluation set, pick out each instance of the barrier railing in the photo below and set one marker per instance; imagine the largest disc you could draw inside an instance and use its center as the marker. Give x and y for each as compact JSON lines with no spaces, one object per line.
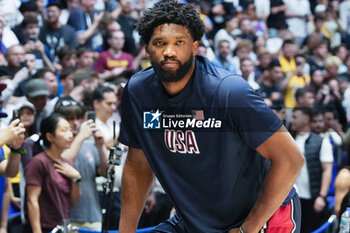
{"x":326,"y":225}
{"x":143,"y":230}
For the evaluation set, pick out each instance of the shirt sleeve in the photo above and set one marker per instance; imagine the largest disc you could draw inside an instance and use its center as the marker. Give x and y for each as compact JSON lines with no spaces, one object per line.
{"x":251,"y":118}
{"x":326,"y":153}
{"x":35,"y":172}
{"x":99,"y":65}
{"x":131,"y":63}
{"x":128,"y":129}
{"x":77,"y":20}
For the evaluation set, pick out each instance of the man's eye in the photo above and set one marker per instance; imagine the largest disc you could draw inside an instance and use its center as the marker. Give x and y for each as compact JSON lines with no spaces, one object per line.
{"x":159,"y":43}
{"x":180,"y":42}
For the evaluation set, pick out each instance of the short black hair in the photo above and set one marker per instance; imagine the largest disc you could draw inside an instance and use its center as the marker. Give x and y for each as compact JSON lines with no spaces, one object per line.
{"x":305,"y":110}
{"x":66,"y":51}
{"x":167,"y":12}
{"x":81,"y":50}
{"x":54,"y":3}
{"x":288,"y":41}
{"x":301,"y":92}
{"x":29,"y":6}
{"x":29,"y":19}
{"x":99,"y":92}
{"x":274,"y":63}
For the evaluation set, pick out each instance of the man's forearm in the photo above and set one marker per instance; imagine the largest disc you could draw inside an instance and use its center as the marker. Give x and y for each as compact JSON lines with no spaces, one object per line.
{"x":136,"y":185}
{"x":13,"y":164}
{"x":102,"y":170}
{"x":326,"y":178}
{"x":279,"y":182}
{"x":72,"y":152}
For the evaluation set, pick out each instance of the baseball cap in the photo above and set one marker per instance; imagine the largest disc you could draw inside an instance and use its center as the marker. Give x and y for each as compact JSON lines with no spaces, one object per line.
{"x":26,"y":104}
{"x":37,"y":87}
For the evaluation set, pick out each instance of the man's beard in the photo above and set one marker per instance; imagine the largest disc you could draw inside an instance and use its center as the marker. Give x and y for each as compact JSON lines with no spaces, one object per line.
{"x":172,"y":76}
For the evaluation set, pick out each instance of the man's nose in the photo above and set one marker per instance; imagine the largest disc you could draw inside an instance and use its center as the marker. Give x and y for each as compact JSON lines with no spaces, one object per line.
{"x":169,"y":51}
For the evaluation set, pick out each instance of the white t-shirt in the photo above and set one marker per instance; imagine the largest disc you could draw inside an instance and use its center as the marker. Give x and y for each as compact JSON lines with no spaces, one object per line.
{"x":298,"y":25}
{"x":326,"y":156}
{"x":107,"y":132}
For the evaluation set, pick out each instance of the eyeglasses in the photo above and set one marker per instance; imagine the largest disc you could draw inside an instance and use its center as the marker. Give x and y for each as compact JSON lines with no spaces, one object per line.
{"x":66,"y":103}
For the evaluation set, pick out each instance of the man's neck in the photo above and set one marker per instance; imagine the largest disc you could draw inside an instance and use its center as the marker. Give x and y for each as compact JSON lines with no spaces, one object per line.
{"x":55,"y":25}
{"x":102,"y":117}
{"x":77,"y":94}
{"x":115,"y":52}
{"x":173,"y":88}
{"x":269,"y":83}
{"x":304,"y":131}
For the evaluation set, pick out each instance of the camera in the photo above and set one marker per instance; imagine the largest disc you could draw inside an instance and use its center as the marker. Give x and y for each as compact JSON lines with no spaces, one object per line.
{"x":115,"y":154}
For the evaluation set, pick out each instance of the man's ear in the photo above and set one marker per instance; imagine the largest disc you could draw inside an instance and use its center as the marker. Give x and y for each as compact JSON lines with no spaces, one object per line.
{"x":195,"y":47}
{"x":147,"y":50}
{"x":96,"y":104}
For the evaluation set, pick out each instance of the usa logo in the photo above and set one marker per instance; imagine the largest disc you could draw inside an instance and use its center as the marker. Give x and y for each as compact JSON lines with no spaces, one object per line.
{"x":151,"y":120}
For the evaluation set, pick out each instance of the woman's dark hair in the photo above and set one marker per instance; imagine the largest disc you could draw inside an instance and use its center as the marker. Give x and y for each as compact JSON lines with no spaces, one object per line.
{"x":167,"y":12}
{"x":69,"y":108}
{"x":49,"y":125}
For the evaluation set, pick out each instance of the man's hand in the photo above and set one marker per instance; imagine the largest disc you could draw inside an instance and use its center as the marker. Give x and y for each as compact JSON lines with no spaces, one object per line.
{"x":117,"y":71}
{"x":98,"y":17}
{"x":319,"y":204}
{"x":150,"y":202}
{"x":13,"y":135}
{"x":87,"y":129}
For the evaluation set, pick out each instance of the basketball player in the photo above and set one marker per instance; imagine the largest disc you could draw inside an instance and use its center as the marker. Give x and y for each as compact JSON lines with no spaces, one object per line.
{"x":222,"y":156}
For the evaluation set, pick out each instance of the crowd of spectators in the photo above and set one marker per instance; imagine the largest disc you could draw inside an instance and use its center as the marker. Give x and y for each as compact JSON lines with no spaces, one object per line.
{"x":69,"y":57}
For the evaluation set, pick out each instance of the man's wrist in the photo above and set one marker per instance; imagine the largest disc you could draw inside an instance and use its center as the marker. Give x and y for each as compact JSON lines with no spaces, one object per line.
{"x":323,"y":197}
{"x":241,"y":230}
{"x":19,"y":150}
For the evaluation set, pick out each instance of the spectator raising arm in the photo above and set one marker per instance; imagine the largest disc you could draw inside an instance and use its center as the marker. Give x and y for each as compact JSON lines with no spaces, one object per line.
{"x":13,"y":135}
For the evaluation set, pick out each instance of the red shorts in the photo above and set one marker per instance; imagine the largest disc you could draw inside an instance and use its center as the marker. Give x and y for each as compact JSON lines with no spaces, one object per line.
{"x":286,"y":218}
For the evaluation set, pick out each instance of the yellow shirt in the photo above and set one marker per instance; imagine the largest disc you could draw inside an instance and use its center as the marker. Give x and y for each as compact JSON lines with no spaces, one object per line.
{"x":17,"y":178}
{"x":286,"y":65}
{"x":295,"y":83}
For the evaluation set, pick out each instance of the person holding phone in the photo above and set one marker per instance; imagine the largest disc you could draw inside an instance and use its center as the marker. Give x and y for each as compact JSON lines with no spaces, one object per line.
{"x":90,"y":159}
{"x":295,"y":80}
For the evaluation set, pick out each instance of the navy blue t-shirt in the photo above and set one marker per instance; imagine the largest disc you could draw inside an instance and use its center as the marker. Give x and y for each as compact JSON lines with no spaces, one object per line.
{"x":201,"y":143}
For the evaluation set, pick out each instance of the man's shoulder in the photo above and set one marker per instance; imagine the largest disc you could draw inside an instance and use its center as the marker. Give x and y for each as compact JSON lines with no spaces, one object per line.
{"x":74,"y":15}
{"x":66,"y":28}
{"x":105,"y":54}
{"x":76,"y":11}
{"x":314,"y":137}
{"x":126,"y":55}
{"x":141,"y":78}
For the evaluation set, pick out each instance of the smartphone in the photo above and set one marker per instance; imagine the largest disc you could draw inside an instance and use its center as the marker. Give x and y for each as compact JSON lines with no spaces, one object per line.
{"x":91,"y":115}
{"x":22,"y":64}
{"x":16,"y":114}
{"x":33,"y":38}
